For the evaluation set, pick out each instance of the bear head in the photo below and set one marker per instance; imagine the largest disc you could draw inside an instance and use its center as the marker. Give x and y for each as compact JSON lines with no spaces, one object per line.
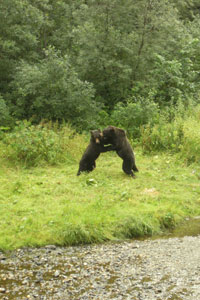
{"x":111,"y":133}
{"x":96,"y":136}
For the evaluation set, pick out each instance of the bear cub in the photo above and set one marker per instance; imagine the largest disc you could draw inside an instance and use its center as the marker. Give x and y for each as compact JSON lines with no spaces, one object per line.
{"x":92,"y":152}
{"x":117,"y":137}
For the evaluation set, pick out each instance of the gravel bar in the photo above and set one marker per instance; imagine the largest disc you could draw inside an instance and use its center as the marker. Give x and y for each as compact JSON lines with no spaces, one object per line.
{"x":138,"y":270}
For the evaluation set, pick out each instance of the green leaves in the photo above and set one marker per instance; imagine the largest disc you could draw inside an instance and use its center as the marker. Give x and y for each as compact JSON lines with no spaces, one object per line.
{"x":134,"y":114}
{"x":51,"y":89}
{"x":72,"y":59}
{"x":5,"y":117}
{"x":30,"y":145}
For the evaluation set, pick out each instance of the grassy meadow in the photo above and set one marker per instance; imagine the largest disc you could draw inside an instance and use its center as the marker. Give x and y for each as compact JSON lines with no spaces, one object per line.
{"x":48,"y":204}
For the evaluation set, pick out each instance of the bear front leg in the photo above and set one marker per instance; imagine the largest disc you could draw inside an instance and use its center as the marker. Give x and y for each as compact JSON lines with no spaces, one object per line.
{"x":108,"y":148}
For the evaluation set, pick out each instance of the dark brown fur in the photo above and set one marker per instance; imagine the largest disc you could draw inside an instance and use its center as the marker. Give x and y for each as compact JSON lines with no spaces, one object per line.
{"x":117,"y":137}
{"x":92,"y":152}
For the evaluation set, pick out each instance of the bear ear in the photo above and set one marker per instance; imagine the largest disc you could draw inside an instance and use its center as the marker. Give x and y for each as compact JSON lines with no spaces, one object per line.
{"x":100,"y":132}
{"x":122,"y":132}
{"x":111,"y":128}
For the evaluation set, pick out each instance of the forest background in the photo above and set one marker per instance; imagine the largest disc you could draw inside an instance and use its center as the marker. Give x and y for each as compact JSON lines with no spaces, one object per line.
{"x":85,"y":61}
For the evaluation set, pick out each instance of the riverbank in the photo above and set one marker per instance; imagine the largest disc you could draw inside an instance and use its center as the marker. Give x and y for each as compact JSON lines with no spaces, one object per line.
{"x":162,"y":269}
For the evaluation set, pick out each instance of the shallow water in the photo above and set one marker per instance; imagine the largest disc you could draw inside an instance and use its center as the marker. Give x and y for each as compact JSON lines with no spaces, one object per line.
{"x":140,"y":270}
{"x":191,"y":227}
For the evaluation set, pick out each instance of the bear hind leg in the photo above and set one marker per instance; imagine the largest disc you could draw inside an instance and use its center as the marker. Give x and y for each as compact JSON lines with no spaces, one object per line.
{"x":127,"y":168}
{"x":134,"y":168}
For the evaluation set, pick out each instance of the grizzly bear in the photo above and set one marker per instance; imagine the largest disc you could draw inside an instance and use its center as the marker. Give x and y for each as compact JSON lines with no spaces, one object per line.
{"x":92,"y":152}
{"x":117,"y":137}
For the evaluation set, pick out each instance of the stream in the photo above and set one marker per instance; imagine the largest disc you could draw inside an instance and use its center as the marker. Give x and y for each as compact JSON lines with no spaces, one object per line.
{"x":159,"y":268}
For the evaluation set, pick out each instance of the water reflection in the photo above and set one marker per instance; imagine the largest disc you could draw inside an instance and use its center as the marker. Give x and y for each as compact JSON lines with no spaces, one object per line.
{"x":190,"y":227}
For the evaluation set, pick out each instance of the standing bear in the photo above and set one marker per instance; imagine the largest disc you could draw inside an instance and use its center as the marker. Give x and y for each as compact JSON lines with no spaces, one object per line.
{"x":92,"y":152}
{"x":117,"y":137}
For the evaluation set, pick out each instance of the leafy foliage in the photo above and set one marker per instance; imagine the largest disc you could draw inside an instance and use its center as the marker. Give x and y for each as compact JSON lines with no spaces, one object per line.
{"x":79,"y":60}
{"x":51,"y":89}
{"x":31,"y":145}
{"x":190,"y":148}
{"x":134,"y":114}
{"x":176,"y":79}
{"x":180,"y":135}
{"x":162,"y":136}
{"x":5,"y":117}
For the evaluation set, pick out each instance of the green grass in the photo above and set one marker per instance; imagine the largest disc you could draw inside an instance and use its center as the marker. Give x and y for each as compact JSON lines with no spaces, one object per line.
{"x":51,"y":205}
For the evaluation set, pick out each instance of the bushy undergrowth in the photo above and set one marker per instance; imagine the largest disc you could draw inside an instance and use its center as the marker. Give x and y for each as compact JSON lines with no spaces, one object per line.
{"x":5,"y":117}
{"x":190,"y":147}
{"x":162,"y":136}
{"x":175,"y":130}
{"x":135,"y":113}
{"x":32,"y":145}
{"x":181,"y":134}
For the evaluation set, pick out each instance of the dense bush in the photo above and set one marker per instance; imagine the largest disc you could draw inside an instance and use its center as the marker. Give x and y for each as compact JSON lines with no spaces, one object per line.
{"x":134,"y":114}
{"x":67,"y":60}
{"x":190,"y":147}
{"x":5,"y":118}
{"x":175,"y":79}
{"x":32,"y":145}
{"x":162,"y":136}
{"x":52,"y":90}
{"x":179,"y":135}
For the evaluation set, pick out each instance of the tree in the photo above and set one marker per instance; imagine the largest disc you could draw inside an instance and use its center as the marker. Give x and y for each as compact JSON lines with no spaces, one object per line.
{"x":20,"y":24}
{"x":113,"y":45}
{"x":51,"y":89}
{"x":116,"y":42}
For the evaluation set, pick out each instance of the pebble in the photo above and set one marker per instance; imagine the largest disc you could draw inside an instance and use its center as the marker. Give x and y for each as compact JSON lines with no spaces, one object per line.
{"x":57,"y":273}
{"x":144,"y":270}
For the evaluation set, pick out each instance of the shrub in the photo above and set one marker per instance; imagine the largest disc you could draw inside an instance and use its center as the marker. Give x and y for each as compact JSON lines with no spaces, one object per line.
{"x":179,"y":135}
{"x":162,"y":136}
{"x":31,"y":145}
{"x":4,"y":113}
{"x":175,"y":79}
{"x":134,"y":114}
{"x":190,"y":148}
{"x":51,"y":89}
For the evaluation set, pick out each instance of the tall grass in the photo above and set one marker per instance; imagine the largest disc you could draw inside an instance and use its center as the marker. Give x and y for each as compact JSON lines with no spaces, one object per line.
{"x":190,"y":146}
{"x":180,"y":135}
{"x":32,"y":145}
